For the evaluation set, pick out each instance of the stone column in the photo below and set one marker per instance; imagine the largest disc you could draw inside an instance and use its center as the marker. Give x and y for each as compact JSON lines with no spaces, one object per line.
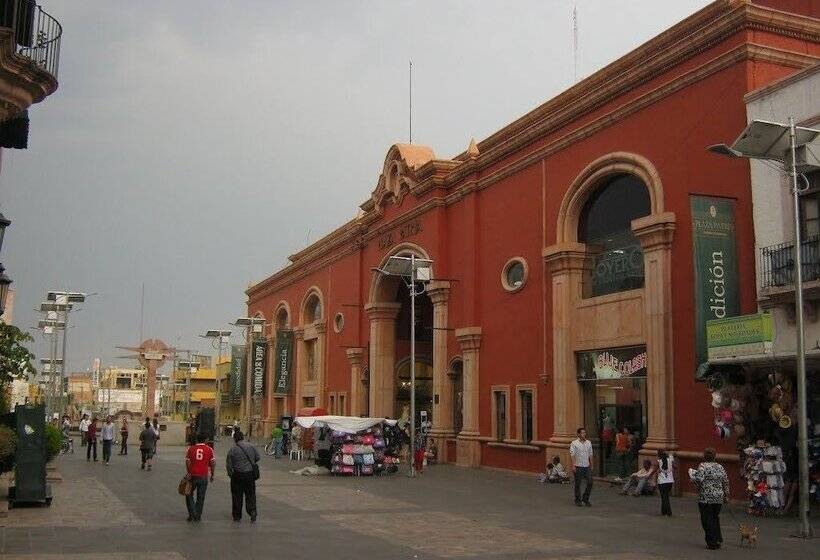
{"x":321,"y":374}
{"x":567,"y":263}
{"x":439,"y":292}
{"x":468,"y":446}
{"x":301,"y":364}
{"x":382,"y":357}
{"x":357,"y":390}
{"x":655,"y":233}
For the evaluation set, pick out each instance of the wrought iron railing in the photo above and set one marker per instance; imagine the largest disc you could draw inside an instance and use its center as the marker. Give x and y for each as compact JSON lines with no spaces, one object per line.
{"x":38,"y":36}
{"x":777,"y":262}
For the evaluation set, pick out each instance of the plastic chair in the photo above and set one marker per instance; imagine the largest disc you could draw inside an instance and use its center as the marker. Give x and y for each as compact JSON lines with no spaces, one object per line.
{"x":296,"y":453}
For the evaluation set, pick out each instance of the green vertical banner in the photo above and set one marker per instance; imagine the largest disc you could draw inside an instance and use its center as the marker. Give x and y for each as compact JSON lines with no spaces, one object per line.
{"x":717,"y":290}
{"x":283,"y":361}
{"x":259,"y":355}
{"x":237,"y":370}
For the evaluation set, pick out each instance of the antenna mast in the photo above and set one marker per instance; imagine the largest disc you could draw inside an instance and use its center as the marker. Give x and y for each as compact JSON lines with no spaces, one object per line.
{"x":575,"y":41}
{"x":411,"y":101}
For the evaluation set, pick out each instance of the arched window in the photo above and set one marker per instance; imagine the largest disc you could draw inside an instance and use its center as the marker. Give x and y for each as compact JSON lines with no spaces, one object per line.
{"x":605,"y":226}
{"x":313,"y":309}
{"x":282,"y":319}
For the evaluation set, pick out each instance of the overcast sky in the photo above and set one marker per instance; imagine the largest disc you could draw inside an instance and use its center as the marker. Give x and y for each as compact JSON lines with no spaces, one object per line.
{"x":193,"y":145}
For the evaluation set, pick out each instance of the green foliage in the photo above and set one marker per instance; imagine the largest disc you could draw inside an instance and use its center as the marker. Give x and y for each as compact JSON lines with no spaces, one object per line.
{"x":8,"y":445}
{"x":54,"y":440}
{"x":15,"y":358}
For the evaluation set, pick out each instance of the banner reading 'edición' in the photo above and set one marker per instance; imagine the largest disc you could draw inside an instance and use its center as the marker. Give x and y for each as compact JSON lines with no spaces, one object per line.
{"x":715,"y":258}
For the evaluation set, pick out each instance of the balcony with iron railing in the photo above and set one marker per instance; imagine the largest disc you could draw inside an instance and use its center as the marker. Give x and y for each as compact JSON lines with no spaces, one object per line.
{"x":777,"y":269}
{"x":29,"y":55}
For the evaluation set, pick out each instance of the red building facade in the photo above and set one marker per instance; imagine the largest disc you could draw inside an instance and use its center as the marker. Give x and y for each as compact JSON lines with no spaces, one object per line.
{"x":563,"y":275}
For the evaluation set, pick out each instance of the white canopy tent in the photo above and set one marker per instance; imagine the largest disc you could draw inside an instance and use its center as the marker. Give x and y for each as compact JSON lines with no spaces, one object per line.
{"x":346,"y":424}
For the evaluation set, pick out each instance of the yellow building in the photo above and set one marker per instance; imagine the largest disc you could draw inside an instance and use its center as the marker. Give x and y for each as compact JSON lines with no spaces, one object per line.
{"x":80,"y":389}
{"x":229,"y":410}
{"x":194,"y":385}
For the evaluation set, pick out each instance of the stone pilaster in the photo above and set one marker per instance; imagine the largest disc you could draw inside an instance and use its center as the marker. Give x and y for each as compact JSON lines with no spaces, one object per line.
{"x":301,"y":364}
{"x":439,"y":292}
{"x":321,"y":374}
{"x":567,"y":263}
{"x":382,"y":318}
{"x":469,"y":447}
{"x":358,"y":392}
{"x":655,"y":233}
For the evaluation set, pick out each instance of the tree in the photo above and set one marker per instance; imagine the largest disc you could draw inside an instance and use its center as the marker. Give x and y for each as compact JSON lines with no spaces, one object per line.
{"x":15,"y":358}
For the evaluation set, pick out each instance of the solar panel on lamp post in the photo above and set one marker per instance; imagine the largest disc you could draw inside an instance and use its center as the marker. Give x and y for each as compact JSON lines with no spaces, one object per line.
{"x":764,"y":140}
{"x":253,"y":326}
{"x":413,"y":270}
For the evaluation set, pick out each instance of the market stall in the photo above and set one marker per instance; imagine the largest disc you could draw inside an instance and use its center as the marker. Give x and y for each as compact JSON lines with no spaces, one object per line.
{"x":353,"y":446}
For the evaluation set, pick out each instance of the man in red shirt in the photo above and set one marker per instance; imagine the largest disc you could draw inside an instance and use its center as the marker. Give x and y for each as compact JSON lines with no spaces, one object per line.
{"x":199,"y":460}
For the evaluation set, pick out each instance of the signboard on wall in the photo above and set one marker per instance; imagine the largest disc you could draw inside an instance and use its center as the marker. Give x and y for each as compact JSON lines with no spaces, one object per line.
{"x":612,"y":363}
{"x":717,"y":293}
{"x":259,"y":360}
{"x":237,"y":374}
{"x":283,"y":360}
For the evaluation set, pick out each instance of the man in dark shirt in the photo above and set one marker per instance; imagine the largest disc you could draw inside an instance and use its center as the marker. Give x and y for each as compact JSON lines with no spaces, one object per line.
{"x":92,"y":440}
{"x":240,"y":464}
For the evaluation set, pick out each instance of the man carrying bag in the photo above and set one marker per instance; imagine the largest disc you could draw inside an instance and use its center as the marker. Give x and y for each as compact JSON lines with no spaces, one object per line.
{"x":243,"y":469}
{"x":198,"y":462}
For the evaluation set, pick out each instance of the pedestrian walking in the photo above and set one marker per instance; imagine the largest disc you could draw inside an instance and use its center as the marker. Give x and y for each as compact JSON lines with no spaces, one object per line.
{"x":155,"y":428}
{"x":108,"y":439}
{"x":666,"y":480}
{"x":713,"y":491}
{"x":243,"y":471}
{"x":580,"y":450}
{"x":84,"y":422}
{"x":198,"y":461}
{"x":148,"y":442}
{"x":124,"y":436}
{"x":91,"y":440}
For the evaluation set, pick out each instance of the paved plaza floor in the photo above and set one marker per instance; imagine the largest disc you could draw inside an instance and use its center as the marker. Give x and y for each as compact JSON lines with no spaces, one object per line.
{"x":118,"y":512}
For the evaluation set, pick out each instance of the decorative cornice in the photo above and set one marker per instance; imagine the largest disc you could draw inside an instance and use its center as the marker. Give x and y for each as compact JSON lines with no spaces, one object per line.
{"x":355,"y":355}
{"x":438,"y":291}
{"x":565,"y":257}
{"x":382,"y":311}
{"x":655,"y":231}
{"x":299,"y":333}
{"x":469,"y":338}
{"x":320,"y":327}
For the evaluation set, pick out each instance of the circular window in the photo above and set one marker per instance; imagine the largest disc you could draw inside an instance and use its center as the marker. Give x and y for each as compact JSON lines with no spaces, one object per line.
{"x":514,"y":274}
{"x":338,"y":322}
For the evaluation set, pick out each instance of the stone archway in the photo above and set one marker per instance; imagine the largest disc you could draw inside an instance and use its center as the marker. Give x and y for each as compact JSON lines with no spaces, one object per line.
{"x":567,"y":261}
{"x":310,"y":339}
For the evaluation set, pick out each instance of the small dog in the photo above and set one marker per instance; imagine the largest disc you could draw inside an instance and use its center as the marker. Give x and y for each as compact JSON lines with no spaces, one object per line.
{"x":748,"y":533}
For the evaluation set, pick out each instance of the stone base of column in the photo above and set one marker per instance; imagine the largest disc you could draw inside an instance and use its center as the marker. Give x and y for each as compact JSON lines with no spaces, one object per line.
{"x":651,"y":446}
{"x":440,"y":437}
{"x":468,"y":450}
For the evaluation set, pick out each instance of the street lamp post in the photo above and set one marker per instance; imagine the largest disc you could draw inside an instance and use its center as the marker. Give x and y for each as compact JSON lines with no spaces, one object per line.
{"x":779,"y":142}
{"x":217,"y":336}
{"x":413,"y":270}
{"x":253,"y":326}
{"x":64,"y":300}
{"x":191,"y":367}
{"x":5,"y":281}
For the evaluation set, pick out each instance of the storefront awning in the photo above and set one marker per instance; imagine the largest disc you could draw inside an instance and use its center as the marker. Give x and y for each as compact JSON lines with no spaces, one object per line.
{"x":346,"y":424}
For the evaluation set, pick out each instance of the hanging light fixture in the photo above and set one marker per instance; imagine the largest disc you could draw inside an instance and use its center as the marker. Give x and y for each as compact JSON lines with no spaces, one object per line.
{"x":5,"y":282}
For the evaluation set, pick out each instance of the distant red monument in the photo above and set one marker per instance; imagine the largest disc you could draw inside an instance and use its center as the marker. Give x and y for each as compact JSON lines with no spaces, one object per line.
{"x":151,"y":354}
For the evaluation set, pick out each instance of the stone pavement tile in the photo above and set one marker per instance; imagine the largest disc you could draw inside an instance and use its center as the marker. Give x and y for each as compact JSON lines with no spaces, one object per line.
{"x":451,"y":536}
{"x":82,"y":502}
{"x":100,"y":556}
{"x":330,"y":498}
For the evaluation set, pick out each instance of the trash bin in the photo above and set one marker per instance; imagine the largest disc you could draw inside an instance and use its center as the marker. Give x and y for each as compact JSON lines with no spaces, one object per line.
{"x":30,"y":469}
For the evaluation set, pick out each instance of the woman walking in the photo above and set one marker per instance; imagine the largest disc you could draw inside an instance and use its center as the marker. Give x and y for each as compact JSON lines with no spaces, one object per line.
{"x":665,"y":480}
{"x":713,"y":491}
{"x":124,"y":437}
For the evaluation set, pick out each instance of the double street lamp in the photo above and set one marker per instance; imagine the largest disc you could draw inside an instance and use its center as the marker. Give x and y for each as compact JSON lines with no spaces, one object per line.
{"x":5,"y":281}
{"x":415,"y":272}
{"x":791,"y":146}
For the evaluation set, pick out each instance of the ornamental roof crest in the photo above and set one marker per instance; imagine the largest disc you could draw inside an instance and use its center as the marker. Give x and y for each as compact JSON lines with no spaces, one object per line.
{"x":398,"y":173}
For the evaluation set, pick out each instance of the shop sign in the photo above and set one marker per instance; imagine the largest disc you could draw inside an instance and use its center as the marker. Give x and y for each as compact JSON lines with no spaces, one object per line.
{"x":617,"y":269}
{"x":739,"y":336}
{"x":259,"y":357}
{"x":237,"y":370}
{"x":612,"y":363}
{"x":284,"y":360}
{"x":715,"y":262}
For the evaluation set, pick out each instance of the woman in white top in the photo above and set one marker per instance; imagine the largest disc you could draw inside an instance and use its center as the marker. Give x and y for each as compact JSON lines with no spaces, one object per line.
{"x":665,"y":480}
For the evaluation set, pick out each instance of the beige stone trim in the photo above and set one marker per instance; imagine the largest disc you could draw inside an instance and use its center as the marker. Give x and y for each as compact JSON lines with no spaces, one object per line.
{"x":496,"y":390}
{"x":469,"y":449}
{"x":358,"y":391}
{"x":382,"y":383}
{"x":313,"y":290}
{"x":439,"y":293}
{"x":519,"y":408}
